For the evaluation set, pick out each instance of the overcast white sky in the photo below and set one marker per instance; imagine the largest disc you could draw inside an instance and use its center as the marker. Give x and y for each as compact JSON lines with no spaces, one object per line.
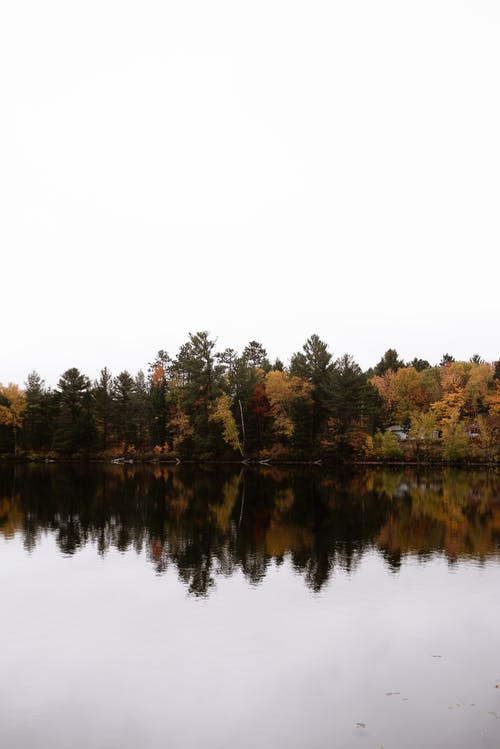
{"x":263,"y":170}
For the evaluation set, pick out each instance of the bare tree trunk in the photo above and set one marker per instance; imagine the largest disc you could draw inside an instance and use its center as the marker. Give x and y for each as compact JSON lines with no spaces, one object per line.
{"x":242,"y":428}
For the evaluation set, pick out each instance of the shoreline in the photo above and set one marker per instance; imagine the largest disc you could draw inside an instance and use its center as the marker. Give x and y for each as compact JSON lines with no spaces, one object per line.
{"x":250,"y":463}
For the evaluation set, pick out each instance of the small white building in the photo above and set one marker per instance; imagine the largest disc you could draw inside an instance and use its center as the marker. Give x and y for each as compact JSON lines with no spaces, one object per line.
{"x":399,"y":431}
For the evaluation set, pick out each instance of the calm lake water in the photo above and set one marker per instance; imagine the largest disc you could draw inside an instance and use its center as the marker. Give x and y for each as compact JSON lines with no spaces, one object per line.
{"x":187,"y":607}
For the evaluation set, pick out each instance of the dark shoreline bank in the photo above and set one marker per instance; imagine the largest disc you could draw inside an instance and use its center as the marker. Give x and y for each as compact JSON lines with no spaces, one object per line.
{"x":250,"y":463}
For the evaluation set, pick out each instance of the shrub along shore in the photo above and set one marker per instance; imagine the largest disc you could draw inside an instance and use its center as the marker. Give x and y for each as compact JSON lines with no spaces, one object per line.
{"x":205,"y":405}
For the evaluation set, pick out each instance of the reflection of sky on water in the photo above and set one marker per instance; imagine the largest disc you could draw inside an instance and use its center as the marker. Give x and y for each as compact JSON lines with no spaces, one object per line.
{"x":100,"y":653}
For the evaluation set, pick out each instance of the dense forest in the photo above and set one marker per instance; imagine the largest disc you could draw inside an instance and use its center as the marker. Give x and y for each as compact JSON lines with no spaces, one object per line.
{"x":209,"y":405}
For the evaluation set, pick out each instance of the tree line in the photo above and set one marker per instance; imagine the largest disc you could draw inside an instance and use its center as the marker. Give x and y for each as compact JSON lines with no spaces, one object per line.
{"x":211,"y":405}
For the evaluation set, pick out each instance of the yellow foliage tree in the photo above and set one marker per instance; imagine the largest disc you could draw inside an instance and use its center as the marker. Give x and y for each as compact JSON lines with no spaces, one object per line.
{"x":402,"y":391}
{"x":181,"y":427}
{"x":477,"y":388}
{"x":454,"y":376}
{"x":449,"y":408}
{"x":408,"y":392}
{"x":12,"y":413}
{"x":223,"y":415}
{"x":383,"y":385}
{"x":431,"y":383}
{"x":423,"y":426}
{"x":455,"y":438}
{"x":282,"y":389}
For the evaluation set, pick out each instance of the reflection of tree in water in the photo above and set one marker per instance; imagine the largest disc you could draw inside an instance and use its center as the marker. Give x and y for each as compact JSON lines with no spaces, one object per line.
{"x":457,"y":512}
{"x":206,"y":521}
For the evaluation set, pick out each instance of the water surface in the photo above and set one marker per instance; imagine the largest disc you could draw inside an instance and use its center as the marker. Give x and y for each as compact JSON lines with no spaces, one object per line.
{"x":200,"y":607}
